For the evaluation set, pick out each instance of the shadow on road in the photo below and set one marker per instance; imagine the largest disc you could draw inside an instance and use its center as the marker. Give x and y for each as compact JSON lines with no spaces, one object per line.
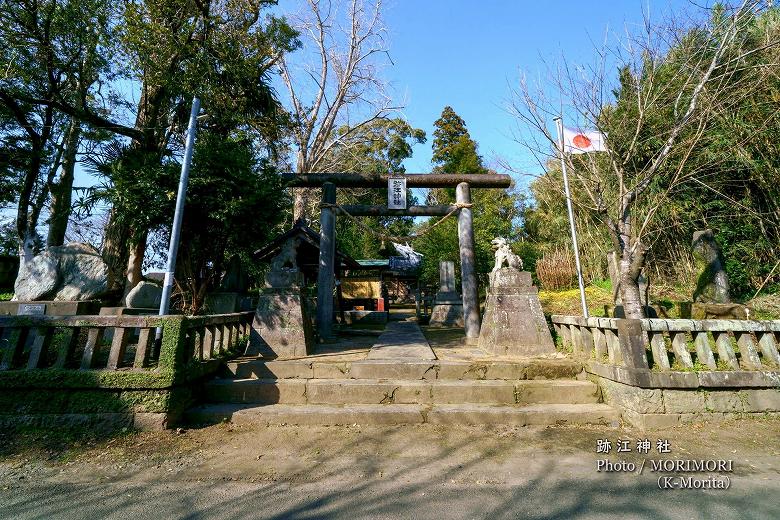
{"x":386,"y":475}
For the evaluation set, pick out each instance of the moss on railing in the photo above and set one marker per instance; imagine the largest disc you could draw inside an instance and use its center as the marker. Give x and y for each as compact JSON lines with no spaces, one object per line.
{"x":166,"y":388}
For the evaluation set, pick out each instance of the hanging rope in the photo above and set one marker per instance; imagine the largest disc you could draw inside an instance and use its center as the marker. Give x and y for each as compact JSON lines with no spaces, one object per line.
{"x":392,"y":238}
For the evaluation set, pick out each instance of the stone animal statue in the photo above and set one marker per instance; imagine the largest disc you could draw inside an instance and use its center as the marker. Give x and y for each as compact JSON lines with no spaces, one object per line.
{"x":505,"y":255}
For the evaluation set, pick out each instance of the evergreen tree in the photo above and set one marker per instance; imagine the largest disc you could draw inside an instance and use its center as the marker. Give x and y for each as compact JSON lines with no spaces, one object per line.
{"x":495,"y":213}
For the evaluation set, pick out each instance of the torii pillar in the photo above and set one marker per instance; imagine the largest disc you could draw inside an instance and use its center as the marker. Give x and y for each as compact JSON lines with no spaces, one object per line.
{"x":325,"y":273}
{"x":469,"y":288}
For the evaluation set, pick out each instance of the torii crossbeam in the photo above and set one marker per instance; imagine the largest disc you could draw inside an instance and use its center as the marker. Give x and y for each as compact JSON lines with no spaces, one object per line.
{"x":460,"y":181}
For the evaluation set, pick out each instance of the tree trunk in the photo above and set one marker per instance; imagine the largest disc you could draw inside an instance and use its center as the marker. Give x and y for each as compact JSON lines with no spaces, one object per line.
{"x":25,"y":225}
{"x":134,"y":271}
{"x":115,"y":250}
{"x":629,"y":291}
{"x":631,"y":264}
{"x":299,"y":204}
{"x":116,"y":247}
{"x":61,"y":193}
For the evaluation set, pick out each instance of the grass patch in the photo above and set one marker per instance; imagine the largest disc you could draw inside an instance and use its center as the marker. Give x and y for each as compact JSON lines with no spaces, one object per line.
{"x":567,"y":302}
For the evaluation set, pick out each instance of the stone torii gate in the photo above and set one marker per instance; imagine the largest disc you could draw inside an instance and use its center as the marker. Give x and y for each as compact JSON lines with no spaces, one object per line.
{"x":329,"y":209}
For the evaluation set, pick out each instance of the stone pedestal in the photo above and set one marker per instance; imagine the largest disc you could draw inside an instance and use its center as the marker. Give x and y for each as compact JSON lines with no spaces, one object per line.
{"x":282,"y":326}
{"x":514,"y":323}
{"x":448,"y":305}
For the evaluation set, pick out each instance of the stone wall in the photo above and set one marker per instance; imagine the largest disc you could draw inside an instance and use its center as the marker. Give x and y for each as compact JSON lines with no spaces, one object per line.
{"x":144,"y":387}
{"x":144,"y":409}
{"x":663,"y":408}
{"x":103,"y":399}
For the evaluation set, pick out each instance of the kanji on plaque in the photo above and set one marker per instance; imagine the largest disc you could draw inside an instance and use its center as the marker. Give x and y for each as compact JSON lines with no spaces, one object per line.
{"x":396,"y":193}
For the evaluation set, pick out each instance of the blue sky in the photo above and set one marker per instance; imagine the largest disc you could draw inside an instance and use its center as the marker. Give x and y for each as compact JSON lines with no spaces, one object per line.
{"x":466,"y":55}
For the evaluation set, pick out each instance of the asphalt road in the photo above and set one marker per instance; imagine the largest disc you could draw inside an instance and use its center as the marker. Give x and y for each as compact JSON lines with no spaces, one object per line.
{"x":390,"y":473}
{"x":553,"y":495}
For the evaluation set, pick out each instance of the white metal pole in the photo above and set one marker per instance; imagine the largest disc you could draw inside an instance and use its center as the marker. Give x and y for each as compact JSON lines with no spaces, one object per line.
{"x":559,"y":125}
{"x":173,"y":247}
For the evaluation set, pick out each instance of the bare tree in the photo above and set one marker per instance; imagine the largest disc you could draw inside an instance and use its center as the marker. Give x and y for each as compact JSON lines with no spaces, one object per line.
{"x":671,"y":87}
{"x":337,"y":81}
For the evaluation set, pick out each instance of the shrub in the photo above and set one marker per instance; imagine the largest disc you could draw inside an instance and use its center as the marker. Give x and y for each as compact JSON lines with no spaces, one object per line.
{"x":555,"y":270}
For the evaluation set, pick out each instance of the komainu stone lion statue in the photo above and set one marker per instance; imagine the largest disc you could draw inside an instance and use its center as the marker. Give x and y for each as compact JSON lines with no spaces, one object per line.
{"x":505,"y":255}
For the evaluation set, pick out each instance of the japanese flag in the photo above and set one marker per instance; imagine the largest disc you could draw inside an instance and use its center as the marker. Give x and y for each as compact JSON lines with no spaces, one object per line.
{"x":576,"y":141}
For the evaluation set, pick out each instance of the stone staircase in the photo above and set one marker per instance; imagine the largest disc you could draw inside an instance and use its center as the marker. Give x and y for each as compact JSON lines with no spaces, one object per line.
{"x":402,"y":391}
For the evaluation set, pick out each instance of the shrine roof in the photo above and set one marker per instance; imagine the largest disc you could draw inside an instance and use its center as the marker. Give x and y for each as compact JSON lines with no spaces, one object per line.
{"x":308,"y":251}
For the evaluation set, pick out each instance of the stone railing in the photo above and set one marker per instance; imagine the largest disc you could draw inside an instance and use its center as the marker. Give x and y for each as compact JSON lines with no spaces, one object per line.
{"x":666,"y":353}
{"x":116,"y":342}
{"x":109,"y":371}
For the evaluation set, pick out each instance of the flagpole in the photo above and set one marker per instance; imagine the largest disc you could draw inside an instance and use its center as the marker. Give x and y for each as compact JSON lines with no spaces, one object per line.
{"x":559,"y":126}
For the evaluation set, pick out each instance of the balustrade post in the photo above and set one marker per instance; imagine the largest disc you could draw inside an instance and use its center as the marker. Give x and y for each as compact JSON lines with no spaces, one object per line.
{"x":92,"y":347}
{"x":658,"y":347}
{"x":613,"y":347}
{"x":599,"y":344}
{"x":680,"y":348}
{"x":704,"y":349}
{"x":726,"y":350}
{"x":40,"y":342}
{"x":208,"y":345}
{"x":118,"y":347}
{"x":748,"y":351}
{"x":768,"y":345}
{"x":66,"y":346}
{"x":143,"y":349}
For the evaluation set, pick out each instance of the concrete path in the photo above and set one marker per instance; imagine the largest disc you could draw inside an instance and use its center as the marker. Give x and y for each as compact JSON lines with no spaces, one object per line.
{"x":402,"y":340}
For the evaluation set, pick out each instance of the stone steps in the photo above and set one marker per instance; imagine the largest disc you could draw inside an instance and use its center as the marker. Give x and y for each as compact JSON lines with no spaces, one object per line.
{"x":406,"y":369}
{"x":402,"y":390}
{"x":384,"y":391}
{"x":386,"y":414}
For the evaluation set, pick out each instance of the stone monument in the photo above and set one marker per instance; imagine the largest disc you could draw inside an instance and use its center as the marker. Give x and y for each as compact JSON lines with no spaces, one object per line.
{"x":713,"y":283}
{"x":73,"y":272}
{"x":448,"y":305}
{"x":282,"y":326}
{"x":514,"y":323}
{"x":145,"y":295}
